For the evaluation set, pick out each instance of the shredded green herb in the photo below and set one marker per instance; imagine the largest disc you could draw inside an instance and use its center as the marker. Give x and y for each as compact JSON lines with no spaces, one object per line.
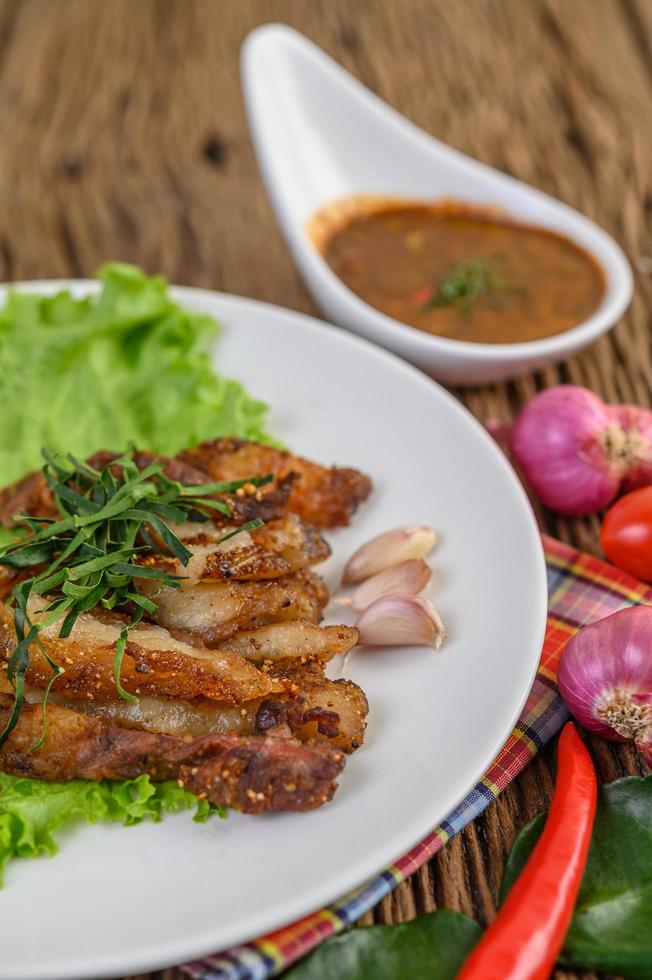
{"x":466,"y":283}
{"x":88,"y":555}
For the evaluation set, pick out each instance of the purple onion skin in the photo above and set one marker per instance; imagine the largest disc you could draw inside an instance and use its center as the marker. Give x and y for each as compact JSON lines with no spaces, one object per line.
{"x":609,"y":662}
{"x":556,"y":442}
{"x":638,"y":422}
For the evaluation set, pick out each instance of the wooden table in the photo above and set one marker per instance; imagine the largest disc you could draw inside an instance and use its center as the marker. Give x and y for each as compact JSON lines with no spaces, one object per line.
{"x":123,"y":136}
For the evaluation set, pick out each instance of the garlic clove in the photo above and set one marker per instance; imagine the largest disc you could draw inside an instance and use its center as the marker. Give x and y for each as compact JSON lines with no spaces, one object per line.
{"x":387,"y":549}
{"x":407,"y":578}
{"x":401,"y":620}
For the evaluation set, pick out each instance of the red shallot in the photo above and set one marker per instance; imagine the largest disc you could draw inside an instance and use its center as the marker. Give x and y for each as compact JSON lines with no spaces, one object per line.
{"x":637,"y":422}
{"x":576,"y":451}
{"x":605,"y":677}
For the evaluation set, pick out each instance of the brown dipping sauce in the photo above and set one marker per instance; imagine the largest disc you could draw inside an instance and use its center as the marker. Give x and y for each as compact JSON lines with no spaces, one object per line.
{"x":464,"y":273}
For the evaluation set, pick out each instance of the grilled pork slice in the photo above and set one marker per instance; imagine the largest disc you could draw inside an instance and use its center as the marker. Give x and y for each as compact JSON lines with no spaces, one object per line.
{"x":211,"y":612}
{"x":250,"y":774}
{"x":282,"y":547}
{"x":154,"y":662}
{"x":165,"y":716}
{"x":8,"y":578}
{"x":314,"y":707}
{"x":31,"y":495}
{"x":320,"y":496}
{"x":280,"y":774}
{"x":294,"y":640}
{"x":265,"y":504}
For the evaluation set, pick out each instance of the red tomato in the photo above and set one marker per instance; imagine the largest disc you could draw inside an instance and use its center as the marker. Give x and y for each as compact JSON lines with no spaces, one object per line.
{"x":626,"y":533}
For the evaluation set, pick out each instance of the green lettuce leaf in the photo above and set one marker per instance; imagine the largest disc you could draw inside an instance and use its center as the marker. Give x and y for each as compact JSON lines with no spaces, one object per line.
{"x":129,"y":364}
{"x":430,"y":947}
{"x":611,"y":929}
{"x":31,"y":810}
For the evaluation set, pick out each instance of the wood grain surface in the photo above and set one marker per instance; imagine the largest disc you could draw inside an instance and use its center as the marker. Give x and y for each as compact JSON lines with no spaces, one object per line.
{"x":123,"y":136}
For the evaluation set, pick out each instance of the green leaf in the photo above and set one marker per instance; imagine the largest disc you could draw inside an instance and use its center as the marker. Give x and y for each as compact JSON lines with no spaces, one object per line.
{"x":612,"y":925}
{"x":228,"y":486}
{"x":431,"y":947}
{"x":247,"y":526}
{"x":32,"y":810}
{"x":119,"y":653}
{"x":57,"y":671}
{"x":170,"y":539}
{"x":30,"y":554}
{"x":128,"y":364}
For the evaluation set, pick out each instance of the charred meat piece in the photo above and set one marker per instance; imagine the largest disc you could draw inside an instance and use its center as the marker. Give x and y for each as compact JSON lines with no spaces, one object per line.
{"x":266,"y":504}
{"x":174,"y":468}
{"x":257,"y":774}
{"x":211,"y":612}
{"x":313,"y":707}
{"x":32,"y":496}
{"x":321,"y":496}
{"x":9,"y":577}
{"x":165,"y":716}
{"x":281,"y":547}
{"x":250,"y":774}
{"x":294,"y":640}
{"x":154,"y":662}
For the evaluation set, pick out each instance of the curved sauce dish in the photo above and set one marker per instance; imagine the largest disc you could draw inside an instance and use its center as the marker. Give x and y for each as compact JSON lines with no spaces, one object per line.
{"x":321,"y":137}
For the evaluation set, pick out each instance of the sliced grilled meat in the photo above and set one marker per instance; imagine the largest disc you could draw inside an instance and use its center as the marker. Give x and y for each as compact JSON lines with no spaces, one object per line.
{"x":252,"y":774}
{"x":321,"y":496}
{"x":281,"y":547}
{"x":312,"y":707}
{"x":154,"y":662}
{"x":210,"y":612}
{"x":32,"y":495}
{"x":293,"y":641}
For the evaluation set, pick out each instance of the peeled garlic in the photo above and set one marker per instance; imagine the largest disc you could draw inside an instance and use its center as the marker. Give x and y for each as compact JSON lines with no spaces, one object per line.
{"x":408,"y":578}
{"x":401,"y":620}
{"x":389,"y":548}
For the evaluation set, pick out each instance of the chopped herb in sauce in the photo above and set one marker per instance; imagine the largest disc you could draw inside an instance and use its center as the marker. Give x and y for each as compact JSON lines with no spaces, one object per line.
{"x":465,"y":283}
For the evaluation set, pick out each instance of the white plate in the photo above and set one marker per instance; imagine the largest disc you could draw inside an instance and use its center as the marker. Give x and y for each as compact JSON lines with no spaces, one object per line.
{"x":119,"y":900}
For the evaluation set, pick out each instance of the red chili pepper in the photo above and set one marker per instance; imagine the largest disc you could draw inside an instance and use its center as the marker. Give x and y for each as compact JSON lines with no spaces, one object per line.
{"x":524,"y":941}
{"x":423,"y":295}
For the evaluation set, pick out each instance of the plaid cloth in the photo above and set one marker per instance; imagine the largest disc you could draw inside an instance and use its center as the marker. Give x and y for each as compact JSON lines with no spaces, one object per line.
{"x":581,"y":589}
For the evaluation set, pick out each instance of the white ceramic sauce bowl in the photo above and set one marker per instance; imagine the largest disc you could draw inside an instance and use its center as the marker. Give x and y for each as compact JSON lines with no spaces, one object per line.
{"x":321,"y":136}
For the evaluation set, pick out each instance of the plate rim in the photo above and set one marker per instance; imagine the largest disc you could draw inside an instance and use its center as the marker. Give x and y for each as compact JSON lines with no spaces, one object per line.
{"x":176,"y":952}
